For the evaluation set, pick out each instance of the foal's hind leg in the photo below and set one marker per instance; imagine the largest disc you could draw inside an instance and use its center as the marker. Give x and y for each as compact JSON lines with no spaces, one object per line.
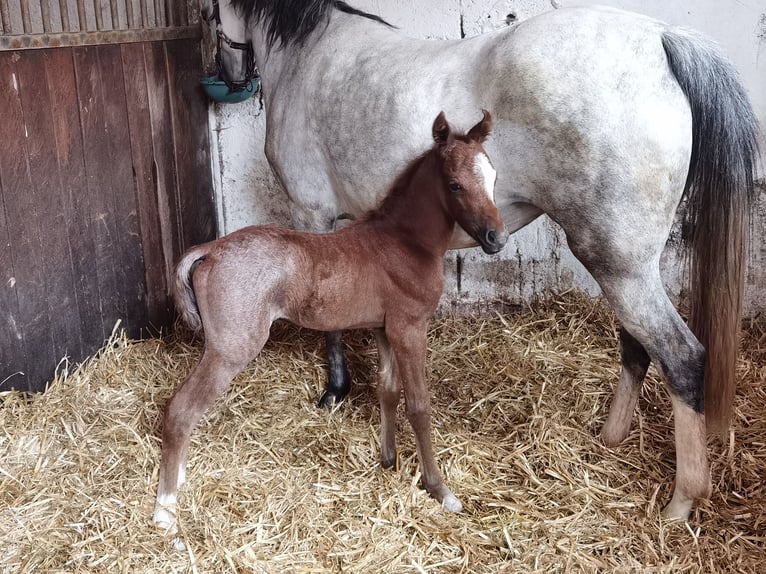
{"x":635,"y":363}
{"x":210,"y":378}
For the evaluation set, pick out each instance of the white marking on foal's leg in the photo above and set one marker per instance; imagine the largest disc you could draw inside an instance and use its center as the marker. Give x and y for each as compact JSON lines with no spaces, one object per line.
{"x":692,"y":470}
{"x":181,"y":474}
{"x":486,"y":174}
{"x":165,"y":513}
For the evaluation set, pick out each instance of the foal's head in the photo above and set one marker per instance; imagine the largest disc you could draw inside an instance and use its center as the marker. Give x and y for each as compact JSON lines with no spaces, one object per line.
{"x":469,"y":182}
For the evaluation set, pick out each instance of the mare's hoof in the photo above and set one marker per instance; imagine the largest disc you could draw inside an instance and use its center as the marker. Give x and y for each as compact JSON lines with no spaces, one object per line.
{"x":615,"y":431}
{"x":338,"y":386}
{"x":335,"y":395}
{"x":329,"y":399}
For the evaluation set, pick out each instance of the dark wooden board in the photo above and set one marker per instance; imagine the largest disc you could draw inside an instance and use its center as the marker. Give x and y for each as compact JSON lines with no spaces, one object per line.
{"x":46,"y":192}
{"x":12,"y":351}
{"x":189,"y":108}
{"x":101,"y":222}
{"x":164,"y":165}
{"x":142,"y":151}
{"x":129,"y":266}
{"x":75,"y":201}
{"x":20,"y":201}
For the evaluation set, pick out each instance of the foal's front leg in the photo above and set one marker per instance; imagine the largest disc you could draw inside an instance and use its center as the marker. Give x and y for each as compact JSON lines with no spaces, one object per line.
{"x":389,"y":391}
{"x":409,"y":346}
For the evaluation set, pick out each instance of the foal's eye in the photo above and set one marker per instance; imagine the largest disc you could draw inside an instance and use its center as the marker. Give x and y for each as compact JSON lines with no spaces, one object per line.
{"x":454,"y":186}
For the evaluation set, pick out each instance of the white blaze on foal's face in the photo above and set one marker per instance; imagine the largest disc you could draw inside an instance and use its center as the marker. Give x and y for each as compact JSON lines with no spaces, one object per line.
{"x":486,"y":174}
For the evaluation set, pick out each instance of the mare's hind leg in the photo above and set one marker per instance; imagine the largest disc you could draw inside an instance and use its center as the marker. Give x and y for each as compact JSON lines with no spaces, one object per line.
{"x":389,"y":391}
{"x":210,"y":378}
{"x":635,"y":363}
{"x":648,"y":315}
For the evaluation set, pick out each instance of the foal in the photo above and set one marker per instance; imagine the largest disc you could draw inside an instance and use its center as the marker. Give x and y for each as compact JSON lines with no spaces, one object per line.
{"x":384,"y":272}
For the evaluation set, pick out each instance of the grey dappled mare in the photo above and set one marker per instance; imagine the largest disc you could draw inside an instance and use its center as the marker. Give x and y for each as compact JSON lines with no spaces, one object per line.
{"x":604,"y":121}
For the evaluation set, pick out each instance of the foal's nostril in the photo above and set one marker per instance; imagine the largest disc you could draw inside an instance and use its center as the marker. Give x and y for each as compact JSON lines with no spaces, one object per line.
{"x":490,"y":237}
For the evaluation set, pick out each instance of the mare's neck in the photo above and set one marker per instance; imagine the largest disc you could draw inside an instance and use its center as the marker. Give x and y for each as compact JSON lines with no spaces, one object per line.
{"x":415,"y":209}
{"x":271,"y":62}
{"x":285,"y":67}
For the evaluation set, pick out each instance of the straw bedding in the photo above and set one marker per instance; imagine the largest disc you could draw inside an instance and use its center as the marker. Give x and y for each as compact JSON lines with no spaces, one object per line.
{"x":276,"y":485}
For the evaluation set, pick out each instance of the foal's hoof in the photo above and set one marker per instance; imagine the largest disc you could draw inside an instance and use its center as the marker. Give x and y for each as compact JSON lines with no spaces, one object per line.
{"x":451,"y":503}
{"x":388,"y":461}
{"x":448,"y":500}
{"x":679,"y":507}
{"x":165,"y":519}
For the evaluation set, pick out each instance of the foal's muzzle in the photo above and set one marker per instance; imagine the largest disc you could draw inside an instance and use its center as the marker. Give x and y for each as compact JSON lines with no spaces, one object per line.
{"x":493,"y":240}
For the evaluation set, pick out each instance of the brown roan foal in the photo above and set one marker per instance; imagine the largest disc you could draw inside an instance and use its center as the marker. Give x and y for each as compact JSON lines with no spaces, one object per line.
{"x":384,"y":272}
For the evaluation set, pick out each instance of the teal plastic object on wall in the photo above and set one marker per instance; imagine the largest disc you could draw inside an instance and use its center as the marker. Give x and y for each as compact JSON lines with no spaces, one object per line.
{"x":218,"y":91}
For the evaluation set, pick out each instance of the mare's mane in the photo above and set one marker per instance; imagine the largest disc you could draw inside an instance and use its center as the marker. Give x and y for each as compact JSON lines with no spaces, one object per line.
{"x":292,"y":21}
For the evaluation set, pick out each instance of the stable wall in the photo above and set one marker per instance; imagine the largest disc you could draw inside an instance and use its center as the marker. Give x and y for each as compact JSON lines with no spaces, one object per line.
{"x":536,"y":258}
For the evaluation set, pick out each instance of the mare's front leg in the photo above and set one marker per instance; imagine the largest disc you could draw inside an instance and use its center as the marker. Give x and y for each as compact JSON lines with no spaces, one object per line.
{"x":408,"y":342}
{"x":325,"y":220}
{"x":338,"y":378}
{"x":635,"y":363}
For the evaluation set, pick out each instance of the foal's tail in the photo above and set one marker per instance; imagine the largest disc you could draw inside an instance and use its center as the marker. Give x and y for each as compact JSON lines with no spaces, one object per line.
{"x":183,"y":289}
{"x":720,"y":196}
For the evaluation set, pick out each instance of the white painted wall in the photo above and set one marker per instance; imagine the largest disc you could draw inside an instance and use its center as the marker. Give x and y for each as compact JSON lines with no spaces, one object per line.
{"x":536,"y":258}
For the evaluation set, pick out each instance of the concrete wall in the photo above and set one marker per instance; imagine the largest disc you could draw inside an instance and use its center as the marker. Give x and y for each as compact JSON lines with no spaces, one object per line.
{"x":536,"y":259}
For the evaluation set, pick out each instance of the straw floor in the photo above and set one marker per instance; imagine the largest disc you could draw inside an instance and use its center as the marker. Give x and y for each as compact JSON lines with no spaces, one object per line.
{"x":276,"y":485}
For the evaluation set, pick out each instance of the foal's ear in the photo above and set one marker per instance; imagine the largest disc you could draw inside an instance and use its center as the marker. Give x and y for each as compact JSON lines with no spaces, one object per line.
{"x":441,"y":130}
{"x":480,"y":131}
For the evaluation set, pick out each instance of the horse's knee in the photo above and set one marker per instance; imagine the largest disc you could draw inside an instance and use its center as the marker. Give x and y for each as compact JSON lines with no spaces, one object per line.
{"x":418,"y":410}
{"x":685,"y":376}
{"x":634,"y":357}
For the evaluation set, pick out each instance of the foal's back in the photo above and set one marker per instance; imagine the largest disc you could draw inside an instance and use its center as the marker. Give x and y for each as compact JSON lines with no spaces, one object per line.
{"x":341,"y":280}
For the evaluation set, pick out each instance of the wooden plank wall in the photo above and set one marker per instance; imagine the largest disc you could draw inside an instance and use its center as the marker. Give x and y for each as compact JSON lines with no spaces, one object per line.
{"x":104,"y":181}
